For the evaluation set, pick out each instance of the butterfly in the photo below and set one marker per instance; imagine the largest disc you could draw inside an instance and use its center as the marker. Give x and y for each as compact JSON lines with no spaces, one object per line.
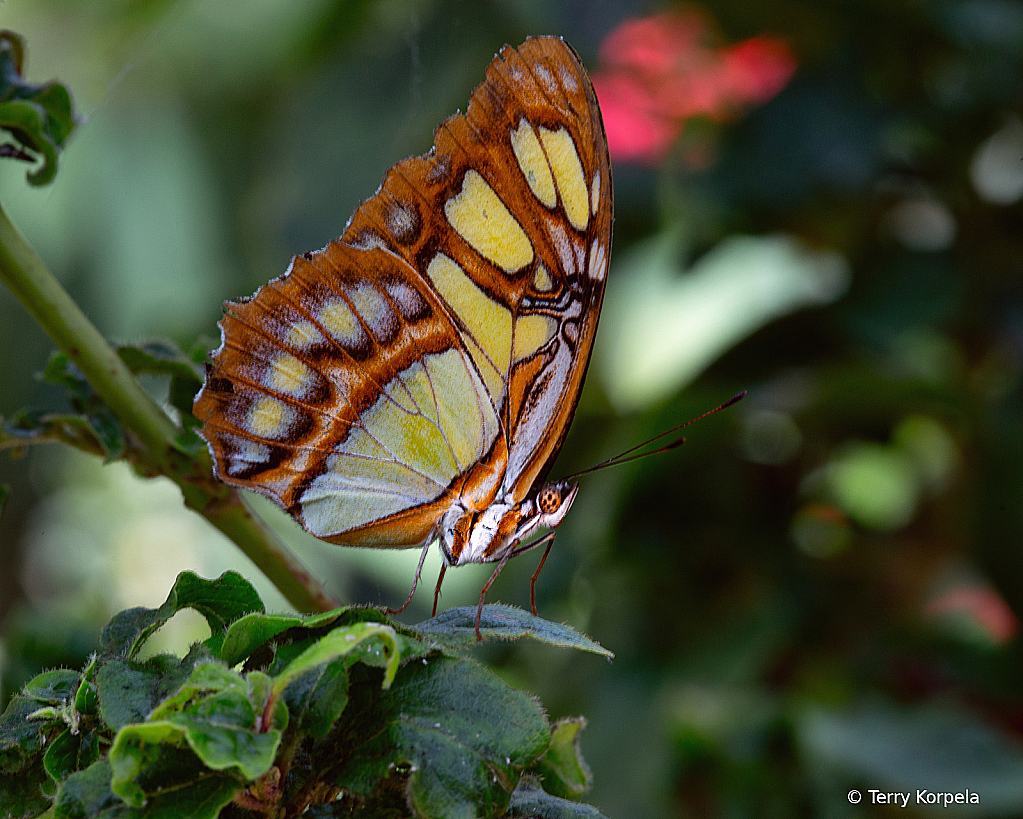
{"x":414,"y":380}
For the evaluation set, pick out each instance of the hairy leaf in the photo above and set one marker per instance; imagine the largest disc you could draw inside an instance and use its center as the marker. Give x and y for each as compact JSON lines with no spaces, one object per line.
{"x":459,"y":731}
{"x":220,"y":601}
{"x":456,"y":627}
{"x":249,"y":632}
{"x":190,"y":791}
{"x":22,"y":795}
{"x":21,"y":738}
{"x":530,"y":801}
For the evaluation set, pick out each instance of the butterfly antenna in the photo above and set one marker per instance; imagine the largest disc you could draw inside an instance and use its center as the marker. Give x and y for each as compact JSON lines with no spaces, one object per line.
{"x":633,"y":454}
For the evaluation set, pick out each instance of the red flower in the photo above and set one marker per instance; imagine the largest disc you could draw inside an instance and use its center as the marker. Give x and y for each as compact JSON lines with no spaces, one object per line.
{"x":659,"y":71}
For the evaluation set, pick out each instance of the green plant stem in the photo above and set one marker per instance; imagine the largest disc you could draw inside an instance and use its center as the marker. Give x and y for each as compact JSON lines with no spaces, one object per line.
{"x":51,"y":305}
{"x":262,"y":546}
{"x":57,"y":313}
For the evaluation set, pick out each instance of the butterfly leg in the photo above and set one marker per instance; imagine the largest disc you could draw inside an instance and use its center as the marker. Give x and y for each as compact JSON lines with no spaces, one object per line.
{"x":536,"y":574}
{"x":415,"y":582}
{"x":436,"y":592}
{"x":549,"y":540}
{"x":486,"y":588}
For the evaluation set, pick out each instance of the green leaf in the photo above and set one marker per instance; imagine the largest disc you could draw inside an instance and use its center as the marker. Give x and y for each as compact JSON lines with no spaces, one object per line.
{"x":129,"y":691}
{"x":220,"y":601}
{"x":530,"y":801}
{"x":87,"y":795}
{"x":341,"y":641}
{"x":211,"y":678}
{"x":220,"y":734}
{"x":562,"y":768}
{"x":205,"y":678}
{"x":217,"y":712}
{"x":221,"y":729}
{"x":39,"y":117}
{"x":95,"y":418}
{"x":161,"y":357}
{"x":457,"y":627}
{"x":56,"y":687}
{"x":248,"y":633}
{"x":31,"y":427}
{"x":71,"y":752}
{"x":22,"y":795}
{"x":92,"y":427}
{"x":462,"y":734}
{"x":86,"y":697}
{"x":317,"y":698}
{"x":26,"y":120}
{"x":186,"y":789}
{"x":21,"y":738}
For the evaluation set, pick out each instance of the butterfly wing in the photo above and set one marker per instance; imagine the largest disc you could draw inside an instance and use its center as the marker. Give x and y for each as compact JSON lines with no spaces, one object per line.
{"x":517,"y":195}
{"x":435,"y":352}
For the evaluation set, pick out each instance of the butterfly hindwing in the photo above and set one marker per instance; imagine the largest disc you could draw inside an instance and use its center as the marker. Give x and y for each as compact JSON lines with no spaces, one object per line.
{"x":338,"y":392}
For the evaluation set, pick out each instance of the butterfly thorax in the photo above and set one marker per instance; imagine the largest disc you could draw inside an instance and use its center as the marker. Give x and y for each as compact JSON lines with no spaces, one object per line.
{"x":486,"y":535}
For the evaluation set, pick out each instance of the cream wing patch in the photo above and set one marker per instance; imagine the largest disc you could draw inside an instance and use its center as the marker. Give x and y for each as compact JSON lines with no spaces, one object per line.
{"x":303,"y":334}
{"x":400,"y":458}
{"x":288,"y":375}
{"x":269,"y":418}
{"x":338,"y":319}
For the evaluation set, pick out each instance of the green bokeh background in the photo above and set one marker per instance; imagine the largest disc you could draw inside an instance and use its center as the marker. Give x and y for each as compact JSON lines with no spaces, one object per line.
{"x":817,"y":592}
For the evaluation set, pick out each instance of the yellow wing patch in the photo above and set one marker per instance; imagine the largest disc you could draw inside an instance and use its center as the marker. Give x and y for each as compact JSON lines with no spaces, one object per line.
{"x":568,"y":170}
{"x":303,"y":334}
{"x":288,"y":375}
{"x":479,"y":216}
{"x":531,"y":333}
{"x":486,"y":320}
{"x":338,"y":319}
{"x":533,"y":163}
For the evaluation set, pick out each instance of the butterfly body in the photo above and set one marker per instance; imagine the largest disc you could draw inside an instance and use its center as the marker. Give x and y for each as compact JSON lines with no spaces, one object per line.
{"x":414,"y":379}
{"x":487,"y":535}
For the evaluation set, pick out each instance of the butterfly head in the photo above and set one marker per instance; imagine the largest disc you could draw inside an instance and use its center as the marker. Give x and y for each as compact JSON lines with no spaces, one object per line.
{"x":553,"y":502}
{"x":486,"y":536}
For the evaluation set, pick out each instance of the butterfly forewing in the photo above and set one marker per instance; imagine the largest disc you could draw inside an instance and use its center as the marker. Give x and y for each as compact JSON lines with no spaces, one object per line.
{"x":436,"y":350}
{"x":526,"y":282}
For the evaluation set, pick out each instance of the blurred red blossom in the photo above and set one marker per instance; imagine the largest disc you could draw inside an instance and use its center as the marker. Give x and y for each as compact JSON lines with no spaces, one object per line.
{"x":982,"y":605}
{"x":656,"y":72}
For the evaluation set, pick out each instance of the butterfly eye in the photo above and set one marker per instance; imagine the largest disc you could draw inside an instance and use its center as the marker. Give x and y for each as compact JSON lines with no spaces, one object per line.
{"x":549,"y":499}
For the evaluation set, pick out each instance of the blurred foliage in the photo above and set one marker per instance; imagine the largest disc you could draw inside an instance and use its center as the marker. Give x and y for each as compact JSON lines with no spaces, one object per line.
{"x":821,"y":590}
{"x":39,"y":118}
